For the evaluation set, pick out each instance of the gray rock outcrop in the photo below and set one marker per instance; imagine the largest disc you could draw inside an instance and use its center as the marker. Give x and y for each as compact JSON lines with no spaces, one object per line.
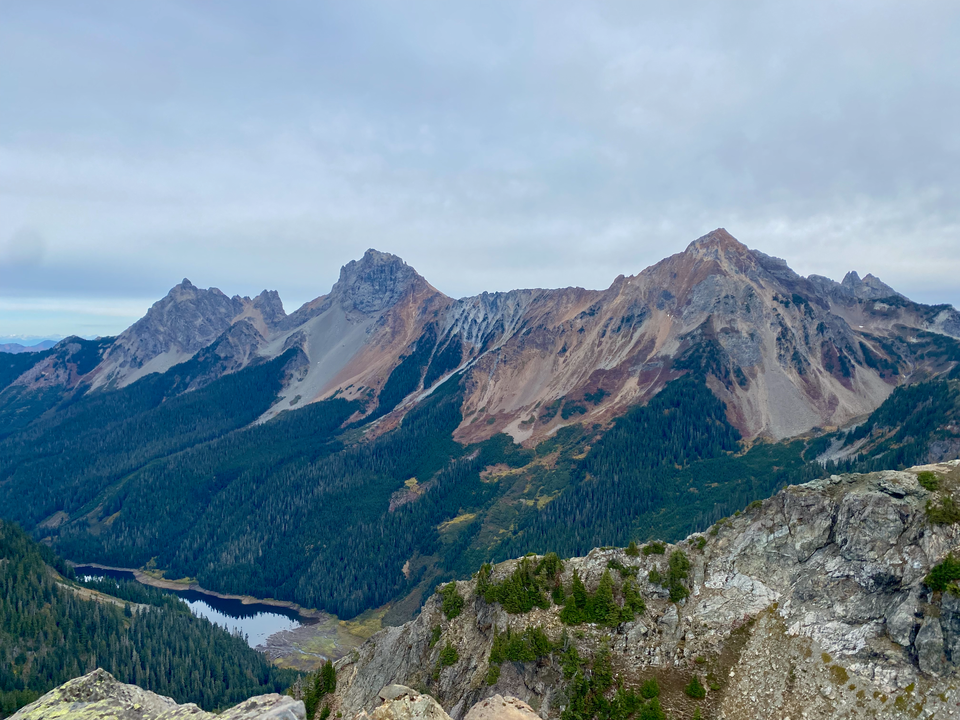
{"x":98,"y":695}
{"x":374,"y":283}
{"x":501,"y":708}
{"x":403,"y":703}
{"x":811,"y":604}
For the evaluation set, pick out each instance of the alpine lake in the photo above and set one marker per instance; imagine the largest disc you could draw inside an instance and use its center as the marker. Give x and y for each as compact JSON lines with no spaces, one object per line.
{"x":287,"y":637}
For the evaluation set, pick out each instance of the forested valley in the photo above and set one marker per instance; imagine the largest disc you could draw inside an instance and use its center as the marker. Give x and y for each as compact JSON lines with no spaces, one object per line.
{"x":308,"y":509}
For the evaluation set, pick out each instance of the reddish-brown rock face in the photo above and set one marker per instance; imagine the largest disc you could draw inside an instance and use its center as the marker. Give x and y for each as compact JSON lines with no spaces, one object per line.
{"x":779,"y":349}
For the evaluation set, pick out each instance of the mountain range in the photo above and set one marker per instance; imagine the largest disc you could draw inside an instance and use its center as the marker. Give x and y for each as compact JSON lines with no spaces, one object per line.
{"x":785,"y":353}
{"x":16,"y":347}
{"x":384,"y":436}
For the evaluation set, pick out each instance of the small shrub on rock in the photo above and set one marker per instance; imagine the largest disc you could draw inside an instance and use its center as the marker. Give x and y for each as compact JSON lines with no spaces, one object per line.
{"x":522,"y":591}
{"x":452,"y":601}
{"x":928,"y":480}
{"x":678,"y":571}
{"x":601,"y":607}
{"x":550,"y":566}
{"x":527,"y":646}
{"x":946,"y":512}
{"x":571,"y":662}
{"x":448,"y":656}
{"x":654,"y":548}
{"x":633,"y":603}
{"x":694,"y":689}
{"x":602,"y":670}
{"x":318,"y":685}
{"x":624,"y":570}
{"x":944,"y":575}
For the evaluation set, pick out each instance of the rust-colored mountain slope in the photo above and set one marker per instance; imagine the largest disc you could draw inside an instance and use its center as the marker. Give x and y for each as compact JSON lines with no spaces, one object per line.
{"x":782,"y":351}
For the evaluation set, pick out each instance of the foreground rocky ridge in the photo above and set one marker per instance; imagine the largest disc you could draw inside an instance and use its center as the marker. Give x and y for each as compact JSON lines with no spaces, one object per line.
{"x":810,"y":604}
{"x":98,"y":695}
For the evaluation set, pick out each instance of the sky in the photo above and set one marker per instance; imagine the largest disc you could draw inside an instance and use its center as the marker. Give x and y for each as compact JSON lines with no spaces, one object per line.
{"x":494,"y":145}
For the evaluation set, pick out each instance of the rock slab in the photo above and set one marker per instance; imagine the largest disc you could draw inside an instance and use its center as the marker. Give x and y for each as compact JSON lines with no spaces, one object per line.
{"x":99,"y":696}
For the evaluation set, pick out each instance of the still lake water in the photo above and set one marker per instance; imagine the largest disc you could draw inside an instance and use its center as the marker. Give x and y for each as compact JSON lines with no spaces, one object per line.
{"x":256,"y":621}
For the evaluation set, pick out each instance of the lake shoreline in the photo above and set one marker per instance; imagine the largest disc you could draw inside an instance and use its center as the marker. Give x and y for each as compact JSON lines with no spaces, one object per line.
{"x":143,"y":578}
{"x":320,"y":635}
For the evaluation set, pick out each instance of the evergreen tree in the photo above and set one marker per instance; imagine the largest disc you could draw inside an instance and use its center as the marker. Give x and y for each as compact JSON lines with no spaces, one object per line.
{"x":574,"y":612}
{"x":601,"y":607}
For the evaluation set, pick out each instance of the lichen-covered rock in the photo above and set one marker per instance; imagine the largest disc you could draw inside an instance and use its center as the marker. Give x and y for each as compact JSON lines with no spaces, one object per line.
{"x":403,"y":703}
{"x":929,"y":644}
{"x":811,"y":605}
{"x":266,"y":707}
{"x":100,"y":696}
{"x":501,"y":708}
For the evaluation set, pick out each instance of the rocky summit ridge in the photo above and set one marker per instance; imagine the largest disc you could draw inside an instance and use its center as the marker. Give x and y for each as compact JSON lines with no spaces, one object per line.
{"x":814,"y":603}
{"x":786,"y":353}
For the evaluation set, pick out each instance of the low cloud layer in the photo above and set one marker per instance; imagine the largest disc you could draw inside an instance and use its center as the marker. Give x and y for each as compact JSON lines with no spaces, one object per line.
{"x":506,"y":144}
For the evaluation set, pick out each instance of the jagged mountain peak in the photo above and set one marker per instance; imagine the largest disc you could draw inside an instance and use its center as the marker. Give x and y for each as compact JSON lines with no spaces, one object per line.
{"x":716,"y":247}
{"x":187,"y":291}
{"x":185,"y":320}
{"x":721,"y":247}
{"x":852,"y":288}
{"x":375,"y":282}
{"x":869,"y":287}
{"x":714,"y":255}
{"x":717,"y":239}
{"x":270,"y":306}
{"x":372,"y":255}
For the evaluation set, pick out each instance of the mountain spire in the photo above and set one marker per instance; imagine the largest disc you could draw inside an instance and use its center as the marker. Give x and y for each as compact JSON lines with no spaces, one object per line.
{"x":375,"y":282}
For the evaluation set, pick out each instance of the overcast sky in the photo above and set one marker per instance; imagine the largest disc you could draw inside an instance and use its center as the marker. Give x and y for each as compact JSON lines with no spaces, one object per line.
{"x":492,"y":145}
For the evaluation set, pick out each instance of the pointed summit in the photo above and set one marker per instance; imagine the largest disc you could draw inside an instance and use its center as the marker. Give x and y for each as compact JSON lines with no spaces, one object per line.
{"x":869,"y":288}
{"x":375,"y":282}
{"x":186,"y":319}
{"x":270,"y":306}
{"x":718,"y":240}
{"x":851,"y":279}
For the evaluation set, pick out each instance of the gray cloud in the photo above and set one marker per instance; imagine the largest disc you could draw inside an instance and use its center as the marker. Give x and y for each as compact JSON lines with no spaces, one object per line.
{"x":24,"y":249}
{"x":506,"y":144}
